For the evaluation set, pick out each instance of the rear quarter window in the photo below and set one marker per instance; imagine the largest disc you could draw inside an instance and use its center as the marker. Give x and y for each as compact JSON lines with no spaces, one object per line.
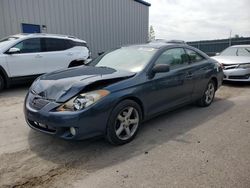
{"x":53,"y":44}
{"x":194,"y":56}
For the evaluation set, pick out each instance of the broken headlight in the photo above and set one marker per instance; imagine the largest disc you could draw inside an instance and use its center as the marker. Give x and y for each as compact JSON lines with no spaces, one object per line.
{"x":83,"y":100}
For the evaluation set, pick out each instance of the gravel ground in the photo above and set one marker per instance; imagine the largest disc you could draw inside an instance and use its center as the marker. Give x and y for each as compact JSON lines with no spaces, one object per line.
{"x":190,"y":147}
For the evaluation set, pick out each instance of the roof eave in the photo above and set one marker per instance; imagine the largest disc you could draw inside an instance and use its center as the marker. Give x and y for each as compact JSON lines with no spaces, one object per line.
{"x":143,"y":2}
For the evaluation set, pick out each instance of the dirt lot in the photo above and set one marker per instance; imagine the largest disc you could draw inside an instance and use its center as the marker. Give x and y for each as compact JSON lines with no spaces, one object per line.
{"x":190,"y":147}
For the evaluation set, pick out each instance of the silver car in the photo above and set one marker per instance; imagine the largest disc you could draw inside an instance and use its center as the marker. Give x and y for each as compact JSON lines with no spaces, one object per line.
{"x":236,"y":63}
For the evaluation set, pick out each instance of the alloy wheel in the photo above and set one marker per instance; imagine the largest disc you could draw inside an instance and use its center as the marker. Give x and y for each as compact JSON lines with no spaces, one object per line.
{"x":209,"y":94}
{"x":127,"y":123}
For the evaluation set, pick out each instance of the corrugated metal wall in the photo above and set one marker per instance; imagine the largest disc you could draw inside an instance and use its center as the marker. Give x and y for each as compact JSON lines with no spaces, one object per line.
{"x":104,"y":24}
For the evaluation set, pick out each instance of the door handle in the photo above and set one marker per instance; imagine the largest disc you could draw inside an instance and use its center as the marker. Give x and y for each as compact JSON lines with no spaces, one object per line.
{"x":70,"y":53}
{"x":38,"y":56}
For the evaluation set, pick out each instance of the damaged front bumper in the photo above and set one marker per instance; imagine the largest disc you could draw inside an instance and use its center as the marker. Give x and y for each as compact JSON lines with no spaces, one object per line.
{"x":237,"y":75}
{"x":42,"y":116}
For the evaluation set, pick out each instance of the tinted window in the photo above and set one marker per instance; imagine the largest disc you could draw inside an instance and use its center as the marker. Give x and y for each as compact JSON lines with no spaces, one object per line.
{"x":52,"y":44}
{"x":175,"y":57}
{"x":29,"y":46}
{"x":194,"y":56}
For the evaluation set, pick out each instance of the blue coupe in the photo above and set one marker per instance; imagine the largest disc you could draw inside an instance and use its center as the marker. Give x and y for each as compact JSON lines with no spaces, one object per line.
{"x":117,"y":91}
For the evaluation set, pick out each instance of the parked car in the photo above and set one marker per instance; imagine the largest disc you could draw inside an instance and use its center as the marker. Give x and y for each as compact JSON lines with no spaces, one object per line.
{"x":236,"y":63}
{"x":120,"y":89}
{"x":25,"y":56}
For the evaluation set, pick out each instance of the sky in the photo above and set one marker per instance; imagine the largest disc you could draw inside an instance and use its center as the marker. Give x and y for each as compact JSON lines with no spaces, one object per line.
{"x":192,"y":20}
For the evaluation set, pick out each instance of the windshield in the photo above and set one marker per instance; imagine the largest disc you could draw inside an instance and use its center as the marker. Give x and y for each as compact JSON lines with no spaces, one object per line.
{"x":132,"y":59}
{"x":234,"y":51}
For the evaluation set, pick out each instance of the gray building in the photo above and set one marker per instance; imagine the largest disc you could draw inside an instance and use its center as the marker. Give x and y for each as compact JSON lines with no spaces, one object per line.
{"x":104,"y":24}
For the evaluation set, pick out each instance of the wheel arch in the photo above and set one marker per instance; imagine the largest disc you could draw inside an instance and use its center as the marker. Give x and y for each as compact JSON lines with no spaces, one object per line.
{"x":135,"y":99}
{"x":215,"y":80}
{"x":5,"y":76}
{"x":75,"y":63}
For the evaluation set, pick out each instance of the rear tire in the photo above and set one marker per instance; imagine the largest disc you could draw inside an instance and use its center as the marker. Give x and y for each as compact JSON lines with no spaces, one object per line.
{"x":124,"y":123}
{"x":208,"y":95}
{"x":2,"y":84}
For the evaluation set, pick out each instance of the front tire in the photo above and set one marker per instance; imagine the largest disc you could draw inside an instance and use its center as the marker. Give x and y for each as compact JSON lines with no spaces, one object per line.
{"x":2,"y":85}
{"x":208,"y":95}
{"x":124,"y":122}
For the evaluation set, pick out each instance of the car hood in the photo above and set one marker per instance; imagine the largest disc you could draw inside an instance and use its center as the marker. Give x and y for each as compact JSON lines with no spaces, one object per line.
{"x":5,"y":45}
{"x":62,"y":85}
{"x":232,"y":59}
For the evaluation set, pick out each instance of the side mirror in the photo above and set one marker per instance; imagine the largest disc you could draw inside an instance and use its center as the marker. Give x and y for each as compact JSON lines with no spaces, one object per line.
{"x":13,"y":51}
{"x":217,"y":54}
{"x":160,"y":68}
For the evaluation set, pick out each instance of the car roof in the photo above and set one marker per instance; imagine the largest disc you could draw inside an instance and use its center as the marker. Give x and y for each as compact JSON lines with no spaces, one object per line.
{"x":240,"y":46}
{"x":158,"y":44}
{"x":59,"y":36}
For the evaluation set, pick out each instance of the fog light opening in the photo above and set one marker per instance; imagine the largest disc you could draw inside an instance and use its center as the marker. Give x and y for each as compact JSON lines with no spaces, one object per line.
{"x":72,"y":131}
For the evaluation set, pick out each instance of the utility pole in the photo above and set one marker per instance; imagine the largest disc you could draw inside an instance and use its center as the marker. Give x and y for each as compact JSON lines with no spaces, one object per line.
{"x":230,"y":39}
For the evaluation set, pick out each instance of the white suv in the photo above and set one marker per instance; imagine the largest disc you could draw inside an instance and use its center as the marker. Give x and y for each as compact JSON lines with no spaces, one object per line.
{"x":25,"y":56}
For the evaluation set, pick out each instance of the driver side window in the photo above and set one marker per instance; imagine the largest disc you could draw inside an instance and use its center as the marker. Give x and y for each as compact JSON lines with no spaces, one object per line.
{"x":175,"y":58}
{"x":29,"y":46}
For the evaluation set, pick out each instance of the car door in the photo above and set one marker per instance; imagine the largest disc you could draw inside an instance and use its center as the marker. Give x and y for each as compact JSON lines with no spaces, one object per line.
{"x":170,"y":89}
{"x":28,"y":61}
{"x":57,"y":53}
{"x":200,"y":67}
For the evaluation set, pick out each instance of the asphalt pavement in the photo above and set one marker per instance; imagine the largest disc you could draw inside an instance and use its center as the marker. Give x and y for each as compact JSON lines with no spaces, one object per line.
{"x":189,"y":147}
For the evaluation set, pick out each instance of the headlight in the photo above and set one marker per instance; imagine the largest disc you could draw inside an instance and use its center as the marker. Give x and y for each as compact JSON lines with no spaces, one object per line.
{"x":245,"y":66}
{"x":83,"y":100}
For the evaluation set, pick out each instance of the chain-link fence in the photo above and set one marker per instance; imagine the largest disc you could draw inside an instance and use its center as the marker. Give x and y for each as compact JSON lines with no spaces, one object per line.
{"x":211,"y":47}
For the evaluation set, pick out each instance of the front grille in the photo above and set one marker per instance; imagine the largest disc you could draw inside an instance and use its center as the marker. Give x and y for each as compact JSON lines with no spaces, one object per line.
{"x":38,"y":103}
{"x":42,"y":127}
{"x":232,"y":66}
{"x":239,"y":77}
